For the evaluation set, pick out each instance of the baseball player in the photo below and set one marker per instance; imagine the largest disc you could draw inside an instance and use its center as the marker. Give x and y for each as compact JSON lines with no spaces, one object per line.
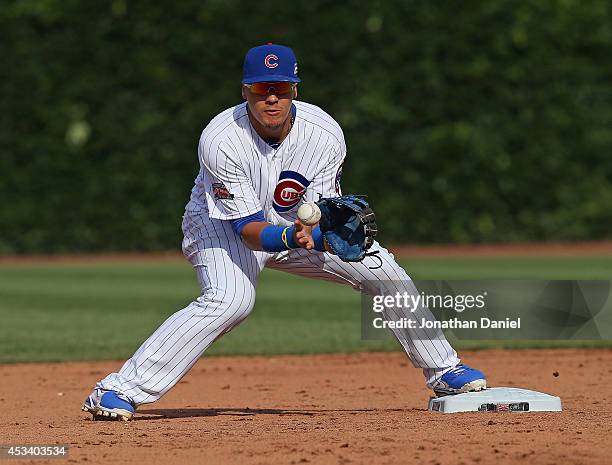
{"x":259,"y":161}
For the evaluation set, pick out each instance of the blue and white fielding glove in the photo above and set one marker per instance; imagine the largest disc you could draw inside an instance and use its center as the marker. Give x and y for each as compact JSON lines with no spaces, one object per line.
{"x":348,"y":225}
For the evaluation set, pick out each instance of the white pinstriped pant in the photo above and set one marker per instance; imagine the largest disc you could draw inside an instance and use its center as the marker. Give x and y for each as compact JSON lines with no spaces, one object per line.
{"x":227,"y":272}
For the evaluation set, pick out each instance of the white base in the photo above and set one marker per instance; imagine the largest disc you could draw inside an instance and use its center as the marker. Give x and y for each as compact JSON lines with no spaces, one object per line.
{"x":500,"y":399}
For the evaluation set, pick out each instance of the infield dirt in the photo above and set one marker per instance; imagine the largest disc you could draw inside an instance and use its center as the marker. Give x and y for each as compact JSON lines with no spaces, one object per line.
{"x":365,"y":408}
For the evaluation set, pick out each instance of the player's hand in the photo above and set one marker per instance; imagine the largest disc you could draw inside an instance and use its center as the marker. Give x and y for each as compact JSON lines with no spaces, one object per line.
{"x":303,"y":235}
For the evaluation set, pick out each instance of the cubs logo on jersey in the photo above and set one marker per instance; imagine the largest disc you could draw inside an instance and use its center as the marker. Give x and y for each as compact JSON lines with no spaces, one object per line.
{"x":290,"y":188}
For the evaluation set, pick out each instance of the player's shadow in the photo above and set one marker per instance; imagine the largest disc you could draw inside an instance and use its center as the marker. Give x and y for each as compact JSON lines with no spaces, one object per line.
{"x":159,"y":414}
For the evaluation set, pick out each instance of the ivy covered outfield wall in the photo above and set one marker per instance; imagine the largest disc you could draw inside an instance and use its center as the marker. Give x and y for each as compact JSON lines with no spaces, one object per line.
{"x":465,"y":121}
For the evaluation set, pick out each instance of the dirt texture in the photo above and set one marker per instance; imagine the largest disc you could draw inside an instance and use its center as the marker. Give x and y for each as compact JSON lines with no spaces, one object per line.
{"x":324,"y":409}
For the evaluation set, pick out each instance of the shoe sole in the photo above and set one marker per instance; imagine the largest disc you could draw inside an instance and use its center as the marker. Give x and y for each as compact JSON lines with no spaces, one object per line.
{"x":87,"y":409}
{"x":472,"y":386}
{"x":100,"y":413}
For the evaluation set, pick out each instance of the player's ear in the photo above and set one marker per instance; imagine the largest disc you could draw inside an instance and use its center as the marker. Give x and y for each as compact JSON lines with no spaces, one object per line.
{"x":243,"y":94}
{"x":295,"y":92}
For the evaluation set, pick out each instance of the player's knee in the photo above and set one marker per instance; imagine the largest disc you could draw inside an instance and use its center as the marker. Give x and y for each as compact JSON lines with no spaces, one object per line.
{"x":221,"y":304}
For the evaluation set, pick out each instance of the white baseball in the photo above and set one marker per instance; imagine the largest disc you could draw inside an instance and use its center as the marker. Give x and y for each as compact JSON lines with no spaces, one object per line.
{"x":309,"y":213}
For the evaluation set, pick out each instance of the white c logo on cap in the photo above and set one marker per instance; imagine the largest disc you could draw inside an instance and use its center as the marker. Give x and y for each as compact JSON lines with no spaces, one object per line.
{"x":268,"y":61}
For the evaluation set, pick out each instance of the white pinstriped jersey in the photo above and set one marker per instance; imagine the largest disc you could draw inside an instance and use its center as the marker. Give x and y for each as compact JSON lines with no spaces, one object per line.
{"x":240,"y":174}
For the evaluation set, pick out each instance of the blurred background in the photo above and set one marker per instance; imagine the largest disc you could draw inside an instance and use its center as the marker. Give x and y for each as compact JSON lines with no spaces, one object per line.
{"x":465,"y":122}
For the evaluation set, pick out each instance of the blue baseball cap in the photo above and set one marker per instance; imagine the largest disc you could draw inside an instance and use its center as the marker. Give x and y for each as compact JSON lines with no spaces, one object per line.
{"x":270,"y":63}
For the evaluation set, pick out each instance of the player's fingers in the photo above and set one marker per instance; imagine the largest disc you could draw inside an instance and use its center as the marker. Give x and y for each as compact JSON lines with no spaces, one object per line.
{"x":306,"y":243}
{"x":299,"y":226}
{"x":311,"y":244}
{"x":303,"y":235}
{"x":303,"y":231}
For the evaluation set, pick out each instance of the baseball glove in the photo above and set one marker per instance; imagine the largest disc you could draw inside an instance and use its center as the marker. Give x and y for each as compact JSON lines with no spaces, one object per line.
{"x":348,"y":225}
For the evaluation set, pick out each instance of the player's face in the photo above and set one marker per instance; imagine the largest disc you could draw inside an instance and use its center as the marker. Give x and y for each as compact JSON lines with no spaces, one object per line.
{"x":270,"y":102}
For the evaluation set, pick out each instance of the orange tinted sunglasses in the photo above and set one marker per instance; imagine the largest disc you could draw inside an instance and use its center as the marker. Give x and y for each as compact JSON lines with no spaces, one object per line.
{"x":266,"y":88}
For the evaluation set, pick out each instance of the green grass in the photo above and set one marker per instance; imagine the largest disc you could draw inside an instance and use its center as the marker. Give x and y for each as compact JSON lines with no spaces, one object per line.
{"x":104,"y":311}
